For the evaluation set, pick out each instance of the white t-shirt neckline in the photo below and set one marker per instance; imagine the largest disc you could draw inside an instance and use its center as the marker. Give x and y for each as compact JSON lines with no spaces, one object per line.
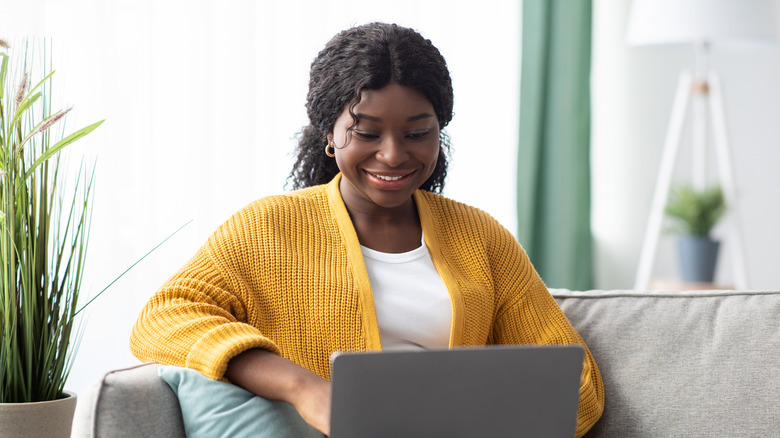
{"x":412,"y":304}
{"x":400,"y":257}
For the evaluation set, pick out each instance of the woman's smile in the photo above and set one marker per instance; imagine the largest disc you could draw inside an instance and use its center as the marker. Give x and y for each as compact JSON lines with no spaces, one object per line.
{"x":390,"y":181}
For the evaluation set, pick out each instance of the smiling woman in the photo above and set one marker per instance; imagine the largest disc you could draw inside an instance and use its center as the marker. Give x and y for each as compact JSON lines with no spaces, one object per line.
{"x":364,"y":256}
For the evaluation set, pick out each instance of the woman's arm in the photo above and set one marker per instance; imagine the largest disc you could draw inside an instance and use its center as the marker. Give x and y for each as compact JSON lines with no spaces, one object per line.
{"x":196,"y":320}
{"x":535,"y":318}
{"x":276,"y":378}
{"x":209,"y":317}
{"x":528,"y":314}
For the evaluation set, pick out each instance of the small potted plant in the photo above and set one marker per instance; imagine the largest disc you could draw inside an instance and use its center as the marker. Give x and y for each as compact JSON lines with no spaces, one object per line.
{"x":44,"y":229}
{"x":695,"y":213}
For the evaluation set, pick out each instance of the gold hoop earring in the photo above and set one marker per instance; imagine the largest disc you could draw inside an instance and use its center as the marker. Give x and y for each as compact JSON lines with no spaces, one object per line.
{"x":328,"y":147}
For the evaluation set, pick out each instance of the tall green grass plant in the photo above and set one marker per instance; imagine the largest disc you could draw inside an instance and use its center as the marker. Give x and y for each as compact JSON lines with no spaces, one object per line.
{"x":44,"y":232}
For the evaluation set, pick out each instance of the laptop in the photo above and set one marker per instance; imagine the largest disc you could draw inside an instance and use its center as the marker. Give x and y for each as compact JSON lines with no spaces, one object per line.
{"x":494,"y":391}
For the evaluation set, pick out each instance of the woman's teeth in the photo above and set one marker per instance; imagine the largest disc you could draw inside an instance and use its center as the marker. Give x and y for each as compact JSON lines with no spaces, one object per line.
{"x":388,"y":178}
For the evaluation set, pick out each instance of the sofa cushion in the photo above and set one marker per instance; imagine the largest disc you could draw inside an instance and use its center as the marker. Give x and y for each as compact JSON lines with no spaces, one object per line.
{"x":703,"y":363}
{"x":211,"y":408}
{"x":128,"y":403}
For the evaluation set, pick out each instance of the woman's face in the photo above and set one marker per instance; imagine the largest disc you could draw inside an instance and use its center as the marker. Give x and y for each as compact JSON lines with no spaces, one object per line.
{"x":391,"y":151}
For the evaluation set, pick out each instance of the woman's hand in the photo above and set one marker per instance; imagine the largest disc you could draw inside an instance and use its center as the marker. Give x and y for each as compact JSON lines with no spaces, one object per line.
{"x":276,"y":378}
{"x":313,"y":403}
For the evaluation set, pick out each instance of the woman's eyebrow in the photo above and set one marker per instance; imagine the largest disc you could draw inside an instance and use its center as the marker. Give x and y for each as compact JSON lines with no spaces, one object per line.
{"x":377,"y":119}
{"x":419,"y":117}
{"x":367,"y":117}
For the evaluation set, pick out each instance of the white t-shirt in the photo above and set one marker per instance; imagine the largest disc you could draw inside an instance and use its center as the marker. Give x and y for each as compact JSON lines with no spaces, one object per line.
{"x":413,"y":306}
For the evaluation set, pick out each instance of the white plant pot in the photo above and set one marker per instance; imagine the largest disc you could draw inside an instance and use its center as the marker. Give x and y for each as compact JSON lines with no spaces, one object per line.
{"x":49,"y":419}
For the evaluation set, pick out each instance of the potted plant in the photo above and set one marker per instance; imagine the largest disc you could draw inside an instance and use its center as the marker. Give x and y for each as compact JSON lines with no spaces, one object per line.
{"x":696,"y":212}
{"x":44,"y":229}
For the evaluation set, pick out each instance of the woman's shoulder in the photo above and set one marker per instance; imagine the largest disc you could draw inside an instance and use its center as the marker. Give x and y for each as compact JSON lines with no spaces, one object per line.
{"x":266,"y":221}
{"x":302,"y":199}
{"x":447,"y":209}
{"x":469,"y":233}
{"x":278,"y":211}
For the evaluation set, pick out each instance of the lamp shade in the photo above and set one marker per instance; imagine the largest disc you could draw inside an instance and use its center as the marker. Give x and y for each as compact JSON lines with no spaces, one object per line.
{"x":712,"y":22}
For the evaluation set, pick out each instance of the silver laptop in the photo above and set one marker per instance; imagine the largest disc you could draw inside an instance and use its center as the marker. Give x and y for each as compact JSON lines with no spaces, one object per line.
{"x":495,"y":391}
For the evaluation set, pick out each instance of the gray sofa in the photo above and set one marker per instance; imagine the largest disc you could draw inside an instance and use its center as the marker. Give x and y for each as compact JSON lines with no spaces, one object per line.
{"x":674,"y":364}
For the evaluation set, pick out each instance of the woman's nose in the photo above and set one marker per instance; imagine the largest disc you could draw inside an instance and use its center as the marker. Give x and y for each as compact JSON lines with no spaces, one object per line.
{"x":392,"y":152}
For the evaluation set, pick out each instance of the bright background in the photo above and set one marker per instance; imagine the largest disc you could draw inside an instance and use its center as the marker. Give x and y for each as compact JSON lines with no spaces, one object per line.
{"x":203,"y":99}
{"x":633,"y":89}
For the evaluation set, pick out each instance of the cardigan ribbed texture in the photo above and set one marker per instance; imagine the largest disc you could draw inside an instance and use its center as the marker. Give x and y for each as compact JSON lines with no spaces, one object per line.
{"x":286,"y":274}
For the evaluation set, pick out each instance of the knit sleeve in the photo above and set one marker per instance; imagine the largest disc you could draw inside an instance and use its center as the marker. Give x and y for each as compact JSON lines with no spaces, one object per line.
{"x":198,"y":319}
{"x":528,"y":314}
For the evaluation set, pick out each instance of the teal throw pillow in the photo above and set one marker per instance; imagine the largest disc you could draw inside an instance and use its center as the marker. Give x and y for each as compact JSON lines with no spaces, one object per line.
{"x":211,"y":408}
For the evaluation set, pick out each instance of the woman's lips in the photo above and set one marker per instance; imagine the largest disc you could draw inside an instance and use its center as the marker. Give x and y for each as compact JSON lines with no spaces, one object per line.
{"x":389,"y":180}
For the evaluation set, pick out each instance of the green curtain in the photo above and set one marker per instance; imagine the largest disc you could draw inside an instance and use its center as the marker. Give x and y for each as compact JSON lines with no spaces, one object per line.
{"x":553,"y":181}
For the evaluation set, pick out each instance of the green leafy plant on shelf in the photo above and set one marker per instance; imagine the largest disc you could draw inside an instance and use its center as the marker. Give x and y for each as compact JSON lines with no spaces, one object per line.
{"x":44,"y":231}
{"x":695,"y":212}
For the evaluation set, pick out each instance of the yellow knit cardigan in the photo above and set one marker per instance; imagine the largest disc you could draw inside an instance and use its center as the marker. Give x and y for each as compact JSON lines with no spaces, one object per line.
{"x":286,"y":274}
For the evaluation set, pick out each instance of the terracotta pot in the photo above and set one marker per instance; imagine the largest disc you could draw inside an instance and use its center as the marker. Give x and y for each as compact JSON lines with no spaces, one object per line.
{"x":49,"y":419}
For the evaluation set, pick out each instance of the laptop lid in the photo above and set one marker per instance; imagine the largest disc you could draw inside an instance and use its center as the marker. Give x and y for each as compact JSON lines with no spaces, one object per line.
{"x":492,"y":391}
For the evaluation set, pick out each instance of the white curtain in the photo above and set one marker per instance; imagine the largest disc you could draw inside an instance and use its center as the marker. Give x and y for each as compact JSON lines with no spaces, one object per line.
{"x":203,"y":100}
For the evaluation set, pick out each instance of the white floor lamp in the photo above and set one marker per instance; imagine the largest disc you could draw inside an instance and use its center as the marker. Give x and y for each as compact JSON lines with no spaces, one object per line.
{"x":702,"y":24}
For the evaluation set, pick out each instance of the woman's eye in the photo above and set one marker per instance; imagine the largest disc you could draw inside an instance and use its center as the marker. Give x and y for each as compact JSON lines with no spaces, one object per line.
{"x":365,"y":135}
{"x":418,"y":135}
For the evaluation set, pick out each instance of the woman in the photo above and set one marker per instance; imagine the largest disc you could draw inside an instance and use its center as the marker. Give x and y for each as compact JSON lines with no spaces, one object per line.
{"x":364,"y":255}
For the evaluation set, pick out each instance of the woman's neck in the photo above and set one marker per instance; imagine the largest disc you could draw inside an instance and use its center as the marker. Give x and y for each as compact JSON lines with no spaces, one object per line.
{"x":392,"y":230}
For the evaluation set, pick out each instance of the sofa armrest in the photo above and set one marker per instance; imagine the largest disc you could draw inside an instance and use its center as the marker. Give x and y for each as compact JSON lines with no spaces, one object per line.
{"x":128,"y":403}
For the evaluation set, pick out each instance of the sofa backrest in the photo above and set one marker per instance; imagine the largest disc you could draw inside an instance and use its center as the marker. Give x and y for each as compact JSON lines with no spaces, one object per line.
{"x":673,"y":364}
{"x":682,"y":363}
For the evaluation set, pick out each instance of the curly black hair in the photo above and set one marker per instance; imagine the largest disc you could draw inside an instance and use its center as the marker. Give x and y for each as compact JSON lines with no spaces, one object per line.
{"x":368,"y":57}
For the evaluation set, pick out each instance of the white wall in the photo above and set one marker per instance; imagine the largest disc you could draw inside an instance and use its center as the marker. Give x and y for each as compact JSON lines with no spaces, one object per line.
{"x":202,"y":100}
{"x":632,"y":98}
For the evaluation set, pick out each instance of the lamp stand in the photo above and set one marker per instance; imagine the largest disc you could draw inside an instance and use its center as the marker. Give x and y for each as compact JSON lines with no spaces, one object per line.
{"x":704,"y":91}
